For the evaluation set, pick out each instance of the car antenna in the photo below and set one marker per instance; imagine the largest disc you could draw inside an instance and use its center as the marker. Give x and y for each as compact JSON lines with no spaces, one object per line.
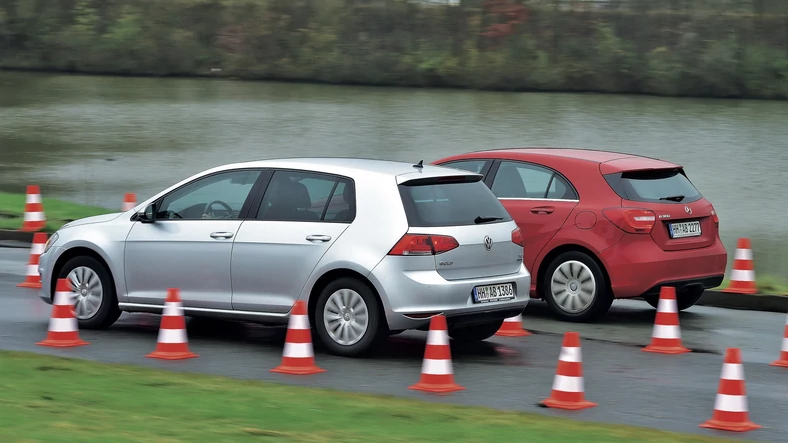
{"x":419,"y":165}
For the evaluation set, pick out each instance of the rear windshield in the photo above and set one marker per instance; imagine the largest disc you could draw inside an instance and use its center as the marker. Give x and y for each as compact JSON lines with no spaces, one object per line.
{"x":663,"y":186}
{"x":433,"y":204}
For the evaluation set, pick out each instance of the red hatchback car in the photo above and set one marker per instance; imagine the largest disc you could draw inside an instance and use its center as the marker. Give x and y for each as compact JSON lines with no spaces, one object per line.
{"x":603,"y":225}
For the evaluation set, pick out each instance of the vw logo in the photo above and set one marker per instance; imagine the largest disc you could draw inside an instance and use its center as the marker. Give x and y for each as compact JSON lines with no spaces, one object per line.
{"x":687,"y":209}
{"x":487,"y":242}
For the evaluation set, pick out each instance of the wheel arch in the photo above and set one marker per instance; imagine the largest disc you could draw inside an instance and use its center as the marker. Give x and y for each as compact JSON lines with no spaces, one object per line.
{"x":555,"y":252}
{"x":79,"y":251}
{"x":335,"y":274}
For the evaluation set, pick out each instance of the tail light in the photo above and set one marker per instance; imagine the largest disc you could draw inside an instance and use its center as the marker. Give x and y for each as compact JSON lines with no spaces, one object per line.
{"x":715,"y":218}
{"x":420,"y":244}
{"x":517,"y":237}
{"x":632,"y":220}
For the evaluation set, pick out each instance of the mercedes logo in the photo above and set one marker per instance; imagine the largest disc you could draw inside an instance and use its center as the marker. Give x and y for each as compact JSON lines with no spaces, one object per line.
{"x":688,"y":210}
{"x":487,"y":242}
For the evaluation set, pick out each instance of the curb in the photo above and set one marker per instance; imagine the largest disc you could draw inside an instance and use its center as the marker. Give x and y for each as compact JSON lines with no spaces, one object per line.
{"x":712,"y":298}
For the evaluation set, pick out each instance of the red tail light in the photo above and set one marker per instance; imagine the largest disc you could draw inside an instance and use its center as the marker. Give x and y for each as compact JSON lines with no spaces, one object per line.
{"x":632,"y":220}
{"x":419,"y":244}
{"x":517,"y":237}
{"x":715,"y":218}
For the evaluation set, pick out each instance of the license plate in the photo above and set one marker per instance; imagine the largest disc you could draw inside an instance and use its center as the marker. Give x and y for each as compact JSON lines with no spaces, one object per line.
{"x":687,"y":229}
{"x":486,"y":294}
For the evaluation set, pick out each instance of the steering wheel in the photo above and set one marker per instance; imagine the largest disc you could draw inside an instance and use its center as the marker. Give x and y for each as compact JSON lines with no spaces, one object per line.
{"x":209,"y":209}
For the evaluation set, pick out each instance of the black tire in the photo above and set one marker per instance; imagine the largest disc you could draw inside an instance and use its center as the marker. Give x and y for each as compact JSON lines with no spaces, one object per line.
{"x":602,"y":298}
{"x":684,"y":299}
{"x":475,"y":333}
{"x":108,"y":311}
{"x":377,"y":329}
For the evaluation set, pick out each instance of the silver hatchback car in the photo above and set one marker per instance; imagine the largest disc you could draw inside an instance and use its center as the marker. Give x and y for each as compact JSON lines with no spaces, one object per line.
{"x":374,"y":247}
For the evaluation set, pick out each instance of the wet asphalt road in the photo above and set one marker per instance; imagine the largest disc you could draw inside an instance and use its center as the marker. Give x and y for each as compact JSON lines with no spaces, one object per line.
{"x":632,"y":387}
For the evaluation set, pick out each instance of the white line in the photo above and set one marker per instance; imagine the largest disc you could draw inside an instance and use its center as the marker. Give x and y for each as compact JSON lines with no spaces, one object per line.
{"x":298,"y":350}
{"x":172,"y":336}
{"x":568,"y":384}
{"x":437,"y":338}
{"x":436,"y":367}
{"x":732,"y":371}
{"x":668,"y":306}
{"x":172,"y":309}
{"x":573,"y":355}
{"x":33,"y":198}
{"x":62,"y":324}
{"x":298,"y":322}
{"x":743,"y":254}
{"x":741,"y":275}
{"x":32,"y":270}
{"x":730,"y":403}
{"x":34,"y":216}
{"x":667,"y":332}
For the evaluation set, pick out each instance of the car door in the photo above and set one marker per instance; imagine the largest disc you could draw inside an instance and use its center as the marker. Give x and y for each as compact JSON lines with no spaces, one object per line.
{"x":538,"y":198}
{"x":189,"y":244}
{"x":300,"y":215}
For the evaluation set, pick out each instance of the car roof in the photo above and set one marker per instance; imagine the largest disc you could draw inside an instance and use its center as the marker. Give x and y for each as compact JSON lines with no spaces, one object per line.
{"x":352,"y":167}
{"x":609,"y":161}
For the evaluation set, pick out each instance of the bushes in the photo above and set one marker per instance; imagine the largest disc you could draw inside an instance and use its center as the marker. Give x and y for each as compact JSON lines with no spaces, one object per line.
{"x":490,"y":44}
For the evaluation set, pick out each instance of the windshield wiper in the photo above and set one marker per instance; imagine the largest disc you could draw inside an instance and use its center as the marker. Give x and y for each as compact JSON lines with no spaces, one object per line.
{"x":674,"y":198}
{"x":479,"y":220}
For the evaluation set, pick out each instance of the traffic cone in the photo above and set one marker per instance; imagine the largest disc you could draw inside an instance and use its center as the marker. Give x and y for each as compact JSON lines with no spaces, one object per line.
{"x":730,"y":406}
{"x":513,"y":327}
{"x":666,"y":335}
{"x":743,"y":272}
{"x":568,"y":387}
{"x":172,"y":343}
{"x":129,"y":202}
{"x":437,"y":374}
{"x":783,"y":360}
{"x":63,"y":328}
{"x":35,"y":220}
{"x":32,"y":278}
{"x":298,"y":357}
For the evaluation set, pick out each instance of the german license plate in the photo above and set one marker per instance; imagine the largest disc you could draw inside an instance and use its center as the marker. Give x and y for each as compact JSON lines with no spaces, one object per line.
{"x":686,"y":229}
{"x":486,"y":294}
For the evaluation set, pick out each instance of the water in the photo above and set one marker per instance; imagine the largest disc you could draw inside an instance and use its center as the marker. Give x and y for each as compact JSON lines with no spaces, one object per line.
{"x":91,"y":139}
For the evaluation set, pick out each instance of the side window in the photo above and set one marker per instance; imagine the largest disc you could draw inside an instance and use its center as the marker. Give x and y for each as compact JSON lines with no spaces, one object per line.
{"x":342,"y":207}
{"x":474,"y":166}
{"x":219,"y":196}
{"x":523,"y":180}
{"x":304,"y":196}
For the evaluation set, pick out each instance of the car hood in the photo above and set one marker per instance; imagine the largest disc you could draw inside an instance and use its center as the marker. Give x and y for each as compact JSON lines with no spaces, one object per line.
{"x":92,"y":220}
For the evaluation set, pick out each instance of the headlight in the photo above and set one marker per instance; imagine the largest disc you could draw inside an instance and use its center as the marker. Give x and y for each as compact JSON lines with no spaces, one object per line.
{"x":50,"y":241}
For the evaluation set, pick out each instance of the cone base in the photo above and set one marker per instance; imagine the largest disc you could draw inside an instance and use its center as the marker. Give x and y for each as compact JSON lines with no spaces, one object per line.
{"x":672,"y":350}
{"x":172,"y":355}
{"x":571,"y":406}
{"x":29,"y":285}
{"x":295,"y":370}
{"x":520,"y":333}
{"x":780,"y":363}
{"x":436,"y":389}
{"x":740,"y":291}
{"x":62,"y":343}
{"x":728,"y":426}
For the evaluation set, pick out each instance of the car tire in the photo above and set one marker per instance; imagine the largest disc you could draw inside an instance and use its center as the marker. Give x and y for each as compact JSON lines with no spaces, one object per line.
{"x":355,"y":293}
{"x":570,"y":270}
{"x":684,"y":299}
{"x":475,"y":333}
{"x":91,"y":271}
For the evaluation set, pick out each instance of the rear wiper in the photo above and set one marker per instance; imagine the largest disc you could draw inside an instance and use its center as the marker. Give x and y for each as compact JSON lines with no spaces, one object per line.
{"x":675,"y":198}
{"x":479,"y":220}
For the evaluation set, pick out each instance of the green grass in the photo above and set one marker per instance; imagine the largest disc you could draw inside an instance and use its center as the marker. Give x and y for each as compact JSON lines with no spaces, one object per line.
{"x":766,"y":284}
{"x":61,"y":400}
{"x":58,"y":212}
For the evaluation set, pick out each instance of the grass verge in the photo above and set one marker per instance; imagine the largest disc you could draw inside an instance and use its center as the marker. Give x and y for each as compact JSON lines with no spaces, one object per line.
{"x":62,"y":400}
{"x":766,"y":284}
{"x":58,"y":212}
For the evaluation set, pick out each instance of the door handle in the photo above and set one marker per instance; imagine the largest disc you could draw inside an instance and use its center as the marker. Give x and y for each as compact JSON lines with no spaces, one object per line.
{"x":223,"y":235}
{"x":318,"y":238}
{"x":543,"y":210}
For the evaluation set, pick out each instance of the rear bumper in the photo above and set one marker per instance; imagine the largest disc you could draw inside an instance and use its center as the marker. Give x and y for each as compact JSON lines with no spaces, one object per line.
{"x":637,"y":266}
{"x":410,"y":298}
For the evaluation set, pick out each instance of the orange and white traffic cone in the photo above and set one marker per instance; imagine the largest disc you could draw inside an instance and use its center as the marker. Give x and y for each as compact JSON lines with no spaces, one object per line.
{"x":513,"y":327}
{"x":666,"y":335}
{"x":172,"y":343}
{"x":32,"y":278}
{"x":743,"y":272}
{"x":568,"y":386}
{"x":35,"y":220}
{"x":298,"y":357}
{"x":730,"y":406}
{"x":63,"y":328}
{"x":129,"y":202}
{"x":437,"y":374}
{"x":783,"y":360}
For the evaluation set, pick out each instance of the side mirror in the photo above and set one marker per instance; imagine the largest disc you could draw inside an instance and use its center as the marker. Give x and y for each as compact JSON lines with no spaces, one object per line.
{"x":148,"y":215}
